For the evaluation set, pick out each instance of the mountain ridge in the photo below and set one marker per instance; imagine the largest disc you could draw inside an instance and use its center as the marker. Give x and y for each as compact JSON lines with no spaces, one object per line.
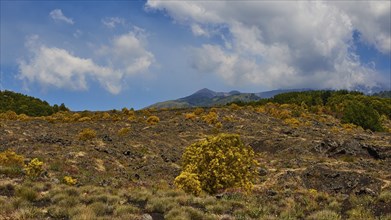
{"x":207,"y":98}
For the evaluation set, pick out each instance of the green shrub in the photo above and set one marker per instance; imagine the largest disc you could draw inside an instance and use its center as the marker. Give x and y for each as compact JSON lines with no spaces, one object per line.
{"x":26,"y":193}
{"x":363,"y":115}
{"x":218,"y":163}
{"x":324,"y":215}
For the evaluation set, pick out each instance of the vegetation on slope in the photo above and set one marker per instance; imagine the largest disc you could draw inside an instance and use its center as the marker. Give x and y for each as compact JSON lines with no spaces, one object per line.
{"x":383,"y":94}
{"x":23,"y":104}
{"x":351,"y":107}
{"x":310,"y":165}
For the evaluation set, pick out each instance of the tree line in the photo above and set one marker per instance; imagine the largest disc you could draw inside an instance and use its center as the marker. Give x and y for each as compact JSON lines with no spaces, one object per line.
{"x":23,"y":104}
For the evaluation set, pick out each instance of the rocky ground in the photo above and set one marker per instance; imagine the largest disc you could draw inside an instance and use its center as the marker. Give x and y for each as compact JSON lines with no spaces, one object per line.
{"x":319,"y":156}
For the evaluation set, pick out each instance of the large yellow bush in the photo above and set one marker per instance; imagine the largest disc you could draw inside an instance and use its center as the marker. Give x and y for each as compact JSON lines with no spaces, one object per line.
{"x":218,"y":163}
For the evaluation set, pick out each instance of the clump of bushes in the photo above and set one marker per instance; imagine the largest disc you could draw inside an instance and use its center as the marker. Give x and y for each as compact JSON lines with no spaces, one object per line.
{"x":293,"y":122}
{"x":87,"y":134}
{"x":210,"y":118}
{"x":217,"y":163}
{"x":198,"y":111}
{"x":9,"y":115}
{"x":190,"y":116}
{"x":363,"y":115}
{"x":10,"y":158}
{"x":11,"y":163}
{"x":153,"y":120}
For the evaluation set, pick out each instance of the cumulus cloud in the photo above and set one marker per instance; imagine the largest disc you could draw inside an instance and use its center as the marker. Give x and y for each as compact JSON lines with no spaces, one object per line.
{"x":57,"y":15}
{"x":112,"y":22}
{"x":57,"y":67}
{"x":280,"y":44}
{"x":372,"y":19}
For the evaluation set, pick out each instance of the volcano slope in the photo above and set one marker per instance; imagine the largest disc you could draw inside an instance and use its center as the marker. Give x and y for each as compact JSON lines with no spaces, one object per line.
{"x":310,"y":165}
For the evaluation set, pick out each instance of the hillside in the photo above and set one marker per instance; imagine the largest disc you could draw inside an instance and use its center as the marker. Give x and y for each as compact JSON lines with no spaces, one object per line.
{"x":310,"y":165}
{"x":206,"y":98}
{"x":23,"y":104}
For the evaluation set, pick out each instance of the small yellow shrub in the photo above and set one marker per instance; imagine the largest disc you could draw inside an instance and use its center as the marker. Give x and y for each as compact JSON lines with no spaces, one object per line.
{"x":87,"y":134}
{"x":34,"y":169}
{"x":23,"y":117}
{"x":218,"y":163}
{"x":123,"y":131}
{"x":349,"y":126}
{"x":132,"y":118}
{"x":218,"y":125}
{"x":153,"y":120}
{"x":83,"y":119}
{"x":293,"y":122}
{"x":75,"y":116}
{"x":198,"y":111}
{"x":213,"y":110}
{"x":11,"y":159}
{"x":229,"y":118}
{"x":106,"y":116}
{"x":234,"y":106}
{"x":284,"y":114}
{"x":190,"y":116}
{"x":210,"y":118}
{"x":260,"y":109}
{"x":116,"y":117}
{"x":69,"y":180}
{"x":9,"y":115}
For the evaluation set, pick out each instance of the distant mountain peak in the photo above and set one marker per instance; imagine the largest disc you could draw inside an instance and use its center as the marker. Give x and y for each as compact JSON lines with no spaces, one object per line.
{"x":205,"y":93}
{"x":234,"y":92}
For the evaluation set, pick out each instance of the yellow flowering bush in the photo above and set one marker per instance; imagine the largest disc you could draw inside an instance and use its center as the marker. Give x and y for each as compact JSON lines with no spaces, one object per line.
{"x":83,"y":119}
{"x":153,"y":120}
{"x":34,"y":169}
{"x":293,"y":122}
{"x":189,"y":182}
{"x":198,"y":111}
{"x":11,"y":164}
{"x":87,"y":134}
{"x":218,"y":163}
{"x":9,"y":115}
{"x":69,"y":180}
{"x":210,"y":118}
{"x":11,"y":159}
{"x":190,"y":116}
{"x":123,"y":131}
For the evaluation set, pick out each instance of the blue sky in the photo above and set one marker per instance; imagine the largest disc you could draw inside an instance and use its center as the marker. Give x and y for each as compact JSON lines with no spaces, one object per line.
{"x":101,"y":55}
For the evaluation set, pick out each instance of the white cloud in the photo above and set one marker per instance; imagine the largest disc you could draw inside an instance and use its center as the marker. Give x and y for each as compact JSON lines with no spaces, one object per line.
{"x":198,"y":31}
{"x":372,"y":19}
{"x":112,"y":22}
{"x":78,"y":33}
{"x":127,"y":52}
{"x":57,"y":67}
{"x":57,"y":15}
{"x":279,"y":44}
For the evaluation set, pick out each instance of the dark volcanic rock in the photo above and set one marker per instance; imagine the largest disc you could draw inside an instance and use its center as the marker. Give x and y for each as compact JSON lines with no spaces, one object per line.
{"x":47,"y":139}
{"x":328,"y":180}
{"x":351,"y":147}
